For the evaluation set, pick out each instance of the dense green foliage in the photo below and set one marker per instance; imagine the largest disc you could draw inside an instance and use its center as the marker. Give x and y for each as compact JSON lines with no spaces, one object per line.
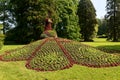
{"x":113,"y":18}
{"x":67,"y":26}
{"x":51,"y":54}
{"x":48,"y":33}
{"x":29,"y":19}
{"x":102,"y":27}
{"x":21,"y":13}
{"x":5,"y":15}
{"x":87,"y":19}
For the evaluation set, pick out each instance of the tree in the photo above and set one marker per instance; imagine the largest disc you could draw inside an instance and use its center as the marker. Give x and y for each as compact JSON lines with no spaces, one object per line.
{"x":113,"y":19}
{"x":102,"y":27}
{"x":67,"y":26}
{"x":5,"y":15}
{"x":87,"y":19}
{"x":29,"y":19}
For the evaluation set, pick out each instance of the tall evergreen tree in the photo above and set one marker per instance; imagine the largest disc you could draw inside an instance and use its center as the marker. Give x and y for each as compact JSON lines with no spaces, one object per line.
{"x":113,"y":18}
{"x":87,"y":19}
{"x":21,"y":32}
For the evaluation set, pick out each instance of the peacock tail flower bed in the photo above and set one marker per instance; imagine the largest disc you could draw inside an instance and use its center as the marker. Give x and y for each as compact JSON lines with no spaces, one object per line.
{"x":51,"y":54}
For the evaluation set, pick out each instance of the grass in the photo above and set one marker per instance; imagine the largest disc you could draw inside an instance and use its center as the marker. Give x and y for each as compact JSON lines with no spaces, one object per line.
{"x":17,"y":70}
{"x":104,"y":44}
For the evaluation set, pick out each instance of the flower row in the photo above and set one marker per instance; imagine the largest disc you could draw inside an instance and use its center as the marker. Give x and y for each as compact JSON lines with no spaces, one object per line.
{"x":90,"y":56}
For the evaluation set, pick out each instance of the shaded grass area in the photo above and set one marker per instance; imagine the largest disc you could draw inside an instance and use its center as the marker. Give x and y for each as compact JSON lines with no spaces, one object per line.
{"x":113,"y":49}
{"x":102,"y":44}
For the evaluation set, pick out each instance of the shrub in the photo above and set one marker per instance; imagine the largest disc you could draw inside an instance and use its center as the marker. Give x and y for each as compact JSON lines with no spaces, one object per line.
{"x":0,"y":44}
{"x":49,"y":33}
{"x":1,"y":40}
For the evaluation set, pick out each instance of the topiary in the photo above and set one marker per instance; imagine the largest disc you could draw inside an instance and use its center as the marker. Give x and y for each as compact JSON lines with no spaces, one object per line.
{"x":49,"y":33}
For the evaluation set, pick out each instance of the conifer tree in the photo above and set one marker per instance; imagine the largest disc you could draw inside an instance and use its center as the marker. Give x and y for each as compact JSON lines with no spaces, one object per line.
{"x":87,"y":19}
{"x":113,"y":18}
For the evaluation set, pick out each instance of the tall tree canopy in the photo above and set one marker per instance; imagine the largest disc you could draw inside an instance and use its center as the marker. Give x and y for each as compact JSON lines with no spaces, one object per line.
{"x":67,"y":25}
{"x":113,"y":18}
{"x":87,"y":19}
{"x":30,"y":16}
{"x":29,"y":19}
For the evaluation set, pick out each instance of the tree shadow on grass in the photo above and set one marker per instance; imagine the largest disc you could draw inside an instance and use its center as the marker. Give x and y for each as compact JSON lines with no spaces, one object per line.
{"x":13,"y":43}
{"x":112,"y":49}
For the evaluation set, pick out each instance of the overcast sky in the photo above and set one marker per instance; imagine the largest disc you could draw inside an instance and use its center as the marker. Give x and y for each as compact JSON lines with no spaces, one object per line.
{"x":100,"y":7}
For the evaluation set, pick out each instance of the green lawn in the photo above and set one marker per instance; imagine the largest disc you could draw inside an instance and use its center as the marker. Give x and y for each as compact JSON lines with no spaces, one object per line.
{"x":104,"y":44}
{"x":18,"y":71}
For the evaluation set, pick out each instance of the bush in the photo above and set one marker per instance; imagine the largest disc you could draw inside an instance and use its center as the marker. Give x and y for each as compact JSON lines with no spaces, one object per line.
{"x":49,"y":33}
{"x":18,"y":36}
{"x":1,"y":40}
{"x":0,"y":45}
{"x":102,"y":36}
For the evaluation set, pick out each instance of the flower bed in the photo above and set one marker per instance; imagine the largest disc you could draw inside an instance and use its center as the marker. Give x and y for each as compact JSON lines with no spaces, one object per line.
{"x":51,"y":54}
{"x":20,"y":53}
{"x":48,"y":59}
{"x":90,"y":56}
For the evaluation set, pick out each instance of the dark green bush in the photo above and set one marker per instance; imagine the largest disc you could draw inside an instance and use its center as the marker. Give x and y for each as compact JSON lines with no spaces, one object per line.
{"x":16,"y":37}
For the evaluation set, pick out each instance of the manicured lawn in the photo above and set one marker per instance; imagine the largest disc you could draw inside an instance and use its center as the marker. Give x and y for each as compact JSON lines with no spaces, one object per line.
{"x":104,"y":44}
{"x":18,"y":71}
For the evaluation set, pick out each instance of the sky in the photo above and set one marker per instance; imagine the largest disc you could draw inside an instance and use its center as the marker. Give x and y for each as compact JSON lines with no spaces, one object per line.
{"x":100,"y":7}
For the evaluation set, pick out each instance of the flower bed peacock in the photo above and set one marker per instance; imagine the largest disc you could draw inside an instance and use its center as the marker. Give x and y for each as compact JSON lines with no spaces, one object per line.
{"x":51,"y":54}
